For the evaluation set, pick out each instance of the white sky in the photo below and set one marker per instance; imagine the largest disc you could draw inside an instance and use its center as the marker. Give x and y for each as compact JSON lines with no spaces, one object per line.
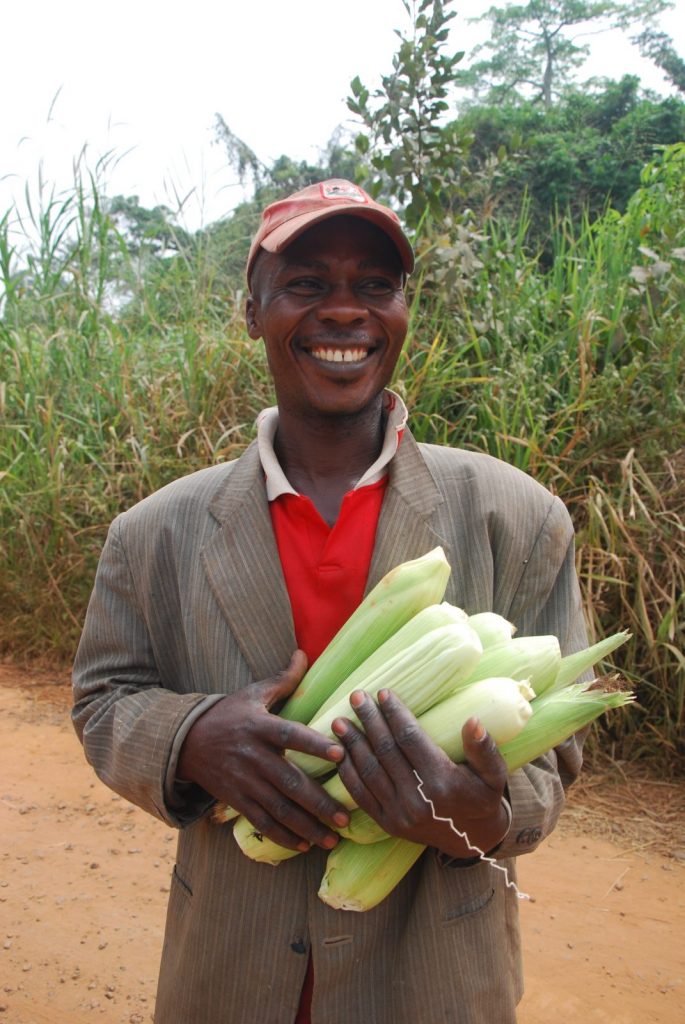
{"x":143,"y":80}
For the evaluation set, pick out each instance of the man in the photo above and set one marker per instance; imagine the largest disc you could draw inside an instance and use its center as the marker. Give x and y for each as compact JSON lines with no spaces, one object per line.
{"x":206,"y":588}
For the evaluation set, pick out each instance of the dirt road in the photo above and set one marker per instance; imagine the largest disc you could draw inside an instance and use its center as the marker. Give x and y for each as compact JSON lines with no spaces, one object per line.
{"x":84,"y":879}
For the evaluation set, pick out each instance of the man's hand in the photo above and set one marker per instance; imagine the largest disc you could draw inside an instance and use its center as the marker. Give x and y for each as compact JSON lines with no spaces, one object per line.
{"x":379,"y":771}
{"x":235,"y":752}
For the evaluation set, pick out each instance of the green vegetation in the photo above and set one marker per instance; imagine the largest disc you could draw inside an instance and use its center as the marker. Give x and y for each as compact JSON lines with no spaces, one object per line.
{"x":124,"y":362}
{"x":583,"y":155}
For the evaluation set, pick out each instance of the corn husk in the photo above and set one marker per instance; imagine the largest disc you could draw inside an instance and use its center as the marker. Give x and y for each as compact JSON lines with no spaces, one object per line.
{"x":492,"y":629}
{"x":360,"y":877}
{"x":535,"y":658}
{"x":397,"y":598}
{"x":434,"y":665}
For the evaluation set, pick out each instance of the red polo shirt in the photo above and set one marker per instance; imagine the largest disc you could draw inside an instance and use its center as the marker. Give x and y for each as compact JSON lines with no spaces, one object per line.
{"x":326,"y":568}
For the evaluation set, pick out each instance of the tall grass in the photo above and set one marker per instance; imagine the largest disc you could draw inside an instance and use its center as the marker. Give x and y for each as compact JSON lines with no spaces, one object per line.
{"x":577,"y":376}
{"x":120,"y":372}
{"x":115,"y":379}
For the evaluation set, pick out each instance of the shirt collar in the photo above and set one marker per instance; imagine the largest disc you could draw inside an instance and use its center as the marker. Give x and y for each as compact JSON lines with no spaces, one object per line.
{"x":276,"y":481}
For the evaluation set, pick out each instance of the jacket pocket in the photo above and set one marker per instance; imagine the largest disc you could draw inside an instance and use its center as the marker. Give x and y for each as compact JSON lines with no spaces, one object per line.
{"x":465,"y":893}
{"x":458,"y":911}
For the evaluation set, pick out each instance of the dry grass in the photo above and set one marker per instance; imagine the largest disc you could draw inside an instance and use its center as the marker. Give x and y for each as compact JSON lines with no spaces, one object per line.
{"x":627,"y":805}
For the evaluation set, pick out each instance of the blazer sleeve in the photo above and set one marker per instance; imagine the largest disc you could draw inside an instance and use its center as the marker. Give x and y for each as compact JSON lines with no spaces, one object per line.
{"x":537,"y":791}
{"x":130,"y":725}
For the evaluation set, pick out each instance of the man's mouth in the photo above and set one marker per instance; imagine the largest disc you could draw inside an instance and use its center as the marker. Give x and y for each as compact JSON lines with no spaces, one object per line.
{"x":328,"y":354}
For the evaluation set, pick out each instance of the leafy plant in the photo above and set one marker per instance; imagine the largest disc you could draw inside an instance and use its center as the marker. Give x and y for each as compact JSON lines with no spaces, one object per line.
{"x":407,"y":151}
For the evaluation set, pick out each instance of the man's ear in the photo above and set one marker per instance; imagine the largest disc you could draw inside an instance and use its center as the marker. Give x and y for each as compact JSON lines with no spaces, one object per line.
{"x":252,"y":318}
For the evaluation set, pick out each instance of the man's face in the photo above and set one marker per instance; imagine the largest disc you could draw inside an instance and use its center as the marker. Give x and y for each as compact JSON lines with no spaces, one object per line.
{"x":333,"y":316}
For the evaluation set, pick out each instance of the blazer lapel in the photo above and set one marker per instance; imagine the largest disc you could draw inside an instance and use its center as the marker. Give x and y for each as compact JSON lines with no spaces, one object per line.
{"x":244,"y":571}
{"x":405,"y":530}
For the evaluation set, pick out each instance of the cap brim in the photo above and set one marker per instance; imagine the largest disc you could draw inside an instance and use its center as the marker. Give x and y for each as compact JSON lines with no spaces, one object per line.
{"x":281,"y":237}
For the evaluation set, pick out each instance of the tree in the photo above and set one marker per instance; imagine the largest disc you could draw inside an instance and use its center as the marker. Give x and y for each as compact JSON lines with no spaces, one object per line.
{"x":146,"y":231}
{"x":658,"y":47}
{"x":284,"y":175}
{"x":408,"y":153}
{"x":534,"y":48}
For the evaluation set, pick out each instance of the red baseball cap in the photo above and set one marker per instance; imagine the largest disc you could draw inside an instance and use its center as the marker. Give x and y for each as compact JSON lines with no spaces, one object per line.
{"x":286,"y":219}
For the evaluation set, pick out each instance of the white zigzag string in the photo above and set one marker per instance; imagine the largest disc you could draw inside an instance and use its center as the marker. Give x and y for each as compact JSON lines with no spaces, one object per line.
{"x":462,"y":835}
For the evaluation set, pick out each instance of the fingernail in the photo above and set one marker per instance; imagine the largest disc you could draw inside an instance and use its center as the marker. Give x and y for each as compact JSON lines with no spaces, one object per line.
{"x":341,"y":819}
{"x":339,"y":726}
{"x":383,"y":695}
{"x":304,"y":846}
{"x":479,"y":731}
{"x":329,"y":842}
{"x":357,"y":699}
{"x":336,"y":753}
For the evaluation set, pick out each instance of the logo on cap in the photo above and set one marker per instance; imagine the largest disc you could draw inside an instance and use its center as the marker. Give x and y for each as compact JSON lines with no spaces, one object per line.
{"x":342,"y":190}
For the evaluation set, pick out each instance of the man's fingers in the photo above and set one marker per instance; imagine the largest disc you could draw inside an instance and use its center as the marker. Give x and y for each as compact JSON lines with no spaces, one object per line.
{"x":483,"y":756}
{"x":286,"y":682}
{"x":280,"y":732}
{"x":374,"y":763}
{"x":290,"y":800}
{"x":287,"y":825}
{"x":360,"y":770}
{"x":376,"y":728}
{"x":284,"y":735}
{"x":416,"y":747}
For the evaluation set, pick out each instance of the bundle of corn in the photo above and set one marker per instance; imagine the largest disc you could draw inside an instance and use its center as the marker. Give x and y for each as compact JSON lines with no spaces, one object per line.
{"x":446,"y":666}
{"x":404,"y":591}
{"x":369,"y":638}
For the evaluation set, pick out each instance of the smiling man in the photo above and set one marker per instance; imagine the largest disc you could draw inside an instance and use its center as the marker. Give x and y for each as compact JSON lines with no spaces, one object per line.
{"x":205,"y":590}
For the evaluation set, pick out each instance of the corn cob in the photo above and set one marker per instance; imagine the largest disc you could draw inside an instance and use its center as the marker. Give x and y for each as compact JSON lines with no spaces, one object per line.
{"x":501,"y":704}
{"x":434,"y":665}
{"x":492,"y":629}
{"x":573,"y":665}
{"x":402,"y":592}
{"x":362,"y":829}
{"x":535,"y":658}
{"x":559,"y":715}
{"x":258,"y":847}
{"x":359,"y":877}
{"x":428,"y":619}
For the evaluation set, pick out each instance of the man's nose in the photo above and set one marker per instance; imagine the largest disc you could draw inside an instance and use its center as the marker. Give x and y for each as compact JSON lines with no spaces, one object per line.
{"x":343,"y":306}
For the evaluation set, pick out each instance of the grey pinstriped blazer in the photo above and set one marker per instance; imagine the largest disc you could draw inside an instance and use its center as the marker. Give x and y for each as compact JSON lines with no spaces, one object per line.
{"x":189,"y":603}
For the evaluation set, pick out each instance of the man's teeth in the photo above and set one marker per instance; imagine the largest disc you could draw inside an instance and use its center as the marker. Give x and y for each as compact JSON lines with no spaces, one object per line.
{"x":340,"y":355}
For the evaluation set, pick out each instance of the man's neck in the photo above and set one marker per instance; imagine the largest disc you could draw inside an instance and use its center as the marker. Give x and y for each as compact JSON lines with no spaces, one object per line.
{"x":324,"y":459}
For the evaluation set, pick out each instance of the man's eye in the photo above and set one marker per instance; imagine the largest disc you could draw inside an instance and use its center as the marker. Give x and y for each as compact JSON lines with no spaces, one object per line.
{"x":377,"y":285}
{"x":305,"y":284}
